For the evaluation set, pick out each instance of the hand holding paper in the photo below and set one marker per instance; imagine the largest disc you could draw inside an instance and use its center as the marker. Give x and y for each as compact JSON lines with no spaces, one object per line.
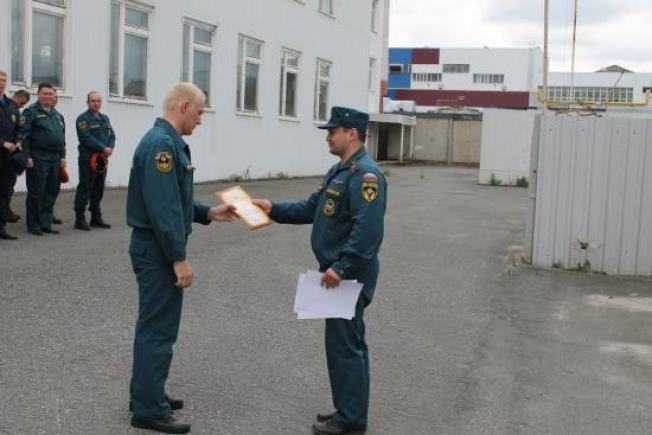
{"x":252,"y":215}
{"x":313,"y":301}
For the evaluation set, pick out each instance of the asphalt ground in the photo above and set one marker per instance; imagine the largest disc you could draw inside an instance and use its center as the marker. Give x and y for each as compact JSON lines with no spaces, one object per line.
{"x":462,"y":341}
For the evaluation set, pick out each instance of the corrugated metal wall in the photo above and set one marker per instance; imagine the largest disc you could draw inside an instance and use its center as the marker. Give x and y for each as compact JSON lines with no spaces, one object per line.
{"x":593,"y":198}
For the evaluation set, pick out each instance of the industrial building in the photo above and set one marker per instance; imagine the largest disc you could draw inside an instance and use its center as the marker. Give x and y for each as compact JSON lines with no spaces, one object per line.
{"x":505,"y":78}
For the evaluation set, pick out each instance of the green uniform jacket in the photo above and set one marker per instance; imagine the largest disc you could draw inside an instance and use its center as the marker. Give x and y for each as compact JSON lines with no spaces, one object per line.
{"x":160,"y":191}
{"x":43,"y":134}
{"x":94,"y":133}
{"x":347,"y":212}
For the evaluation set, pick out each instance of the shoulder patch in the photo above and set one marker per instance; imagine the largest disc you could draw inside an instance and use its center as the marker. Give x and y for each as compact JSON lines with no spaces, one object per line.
{"x":164,"y":161}
{"x":22,"y":120}
{"x":370,"y":187}
{"x":13,"y":118}
{"x":82,"y":124}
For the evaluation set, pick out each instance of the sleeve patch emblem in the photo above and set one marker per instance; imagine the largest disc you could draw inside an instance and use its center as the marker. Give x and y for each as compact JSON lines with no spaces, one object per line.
{"x":164,"y":161}
{"x":370,"y":187}
{"x":329,"y":207}
{"x":83,"y":124}
{"x":22,"y":120}
{"x":13,"y":118}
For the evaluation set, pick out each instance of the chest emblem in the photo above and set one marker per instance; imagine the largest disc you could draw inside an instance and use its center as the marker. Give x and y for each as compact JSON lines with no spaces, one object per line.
{"x":370,"y":187}
{"x":329,"y":207}
{"x":163,"y":161}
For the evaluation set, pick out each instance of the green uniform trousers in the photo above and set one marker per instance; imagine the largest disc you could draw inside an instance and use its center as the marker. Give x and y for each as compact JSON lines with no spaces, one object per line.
{"x":157,"y":328}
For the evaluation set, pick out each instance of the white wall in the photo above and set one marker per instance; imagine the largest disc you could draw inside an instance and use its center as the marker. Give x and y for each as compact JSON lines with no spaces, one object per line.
{"x":506,"y":144}
{"x":226,"y":143}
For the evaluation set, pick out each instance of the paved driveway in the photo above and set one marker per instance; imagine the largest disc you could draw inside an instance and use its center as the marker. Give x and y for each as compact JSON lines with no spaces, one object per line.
{"x":461,"y":342}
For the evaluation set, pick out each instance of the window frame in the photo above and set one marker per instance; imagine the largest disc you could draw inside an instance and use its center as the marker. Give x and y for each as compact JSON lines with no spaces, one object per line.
{"x":371,"y":80}
{"x":243,"y":60}
{"x":124,"y":29}
{"x":375,"y":4}
{"x":456,"y":68}
{"x":21,"y":55}
{"x":286,"y":70}
{"x":188,"y":50}
{"x":326,"y":7}
{"x":489,"y":79}
{"x":319,"y":78}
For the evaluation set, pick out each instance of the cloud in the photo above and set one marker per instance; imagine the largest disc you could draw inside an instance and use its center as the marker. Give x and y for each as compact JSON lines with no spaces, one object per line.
{"x":608,"y":31}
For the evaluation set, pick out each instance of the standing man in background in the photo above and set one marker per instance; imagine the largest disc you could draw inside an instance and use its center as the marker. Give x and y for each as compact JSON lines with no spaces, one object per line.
{"x":55,"y":101}
{"x":161,"y":209}
{"x":347,"y":212}
{"x":43,"y":139}
{"x":9,"y":119}
{"x":16,"y":158}
{"x":96,"y":136}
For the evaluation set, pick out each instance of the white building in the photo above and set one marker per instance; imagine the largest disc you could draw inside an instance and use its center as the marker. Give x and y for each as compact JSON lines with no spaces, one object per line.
{"x":271,"y":69}
{"x":506,"y":78}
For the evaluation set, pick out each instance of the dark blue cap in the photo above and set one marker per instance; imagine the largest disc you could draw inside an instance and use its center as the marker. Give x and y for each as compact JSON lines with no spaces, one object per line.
{"x":347,"y":118}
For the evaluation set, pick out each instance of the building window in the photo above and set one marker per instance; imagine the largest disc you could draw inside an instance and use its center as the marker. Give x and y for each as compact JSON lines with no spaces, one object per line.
{"x":371,"y":82}
{"x":496,"y":79}
{"x":129,"y":50}
{"x":289,"y":82}
{"x":590,"y":94}
{"x":374,"y":15}
{"x":456,"y":68}
{"x":399,"y":68}
{"x":326,"y":6}
{"x":196,"y":56}
{"x":37,"y":43}
{"x":322,"y":84}
{"x":426,"y":77}
{"x":249,"y":64}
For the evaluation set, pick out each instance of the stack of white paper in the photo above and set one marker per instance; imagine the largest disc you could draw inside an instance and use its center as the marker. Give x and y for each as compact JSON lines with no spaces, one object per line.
{"x":313,"y":301}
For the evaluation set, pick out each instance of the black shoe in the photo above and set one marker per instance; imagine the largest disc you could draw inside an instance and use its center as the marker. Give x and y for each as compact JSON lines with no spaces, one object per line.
{"x":49,"y":231}
{"x":35,"y":231}
{"x":5,"y":235}
{"x":99,"y":223}
{"x":166,"y":425}
{"x":325,"y":417}
{"x":175,"y":404}
{"x":330,"y":427}
{"x":56,"y":220}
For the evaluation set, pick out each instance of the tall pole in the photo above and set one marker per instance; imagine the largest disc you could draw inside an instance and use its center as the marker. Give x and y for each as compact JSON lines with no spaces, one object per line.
{"x":545,"y":56}
{"x":572,"y":71}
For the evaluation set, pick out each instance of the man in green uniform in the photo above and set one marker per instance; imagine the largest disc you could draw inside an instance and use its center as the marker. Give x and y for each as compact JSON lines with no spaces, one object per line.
{"x":9,"y":146}
{"x":43,"y":140}
{"x":347,"y":212}
{"x":161,"y":210}
{"x":95,"y":135}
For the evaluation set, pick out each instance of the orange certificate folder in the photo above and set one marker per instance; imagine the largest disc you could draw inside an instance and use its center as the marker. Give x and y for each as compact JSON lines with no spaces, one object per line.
{"x":251,"y":214}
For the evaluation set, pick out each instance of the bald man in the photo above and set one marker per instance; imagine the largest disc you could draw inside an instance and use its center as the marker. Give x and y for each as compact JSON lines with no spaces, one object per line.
{"x":161,"y":210}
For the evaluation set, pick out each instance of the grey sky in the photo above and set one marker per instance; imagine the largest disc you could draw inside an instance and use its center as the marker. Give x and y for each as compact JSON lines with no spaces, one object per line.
{"x":608,"y":31}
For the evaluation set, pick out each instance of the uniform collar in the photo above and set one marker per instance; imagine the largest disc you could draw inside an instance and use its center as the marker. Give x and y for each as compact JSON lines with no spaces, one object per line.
{"x":174,"y":134}
{"x":354,"y":158}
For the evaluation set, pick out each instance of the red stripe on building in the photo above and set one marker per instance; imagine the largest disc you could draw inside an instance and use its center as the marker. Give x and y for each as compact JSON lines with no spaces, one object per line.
{"x":425,"y":56}
{"x":465,"y":98}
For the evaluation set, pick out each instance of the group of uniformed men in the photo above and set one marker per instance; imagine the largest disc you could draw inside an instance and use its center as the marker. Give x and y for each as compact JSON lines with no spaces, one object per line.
{"x":34,"y":142}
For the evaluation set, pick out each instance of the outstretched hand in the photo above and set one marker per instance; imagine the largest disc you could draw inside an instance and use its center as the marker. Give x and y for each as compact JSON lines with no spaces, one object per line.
{"x":222,"y":213}
{"x":264,"y":204}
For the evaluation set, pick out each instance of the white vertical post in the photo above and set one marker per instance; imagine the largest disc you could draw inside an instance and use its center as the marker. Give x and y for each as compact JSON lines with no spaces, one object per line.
{"x":400,"y":157}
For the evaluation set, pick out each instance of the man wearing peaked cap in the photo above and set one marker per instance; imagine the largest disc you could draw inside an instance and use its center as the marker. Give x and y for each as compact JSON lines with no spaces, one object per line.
{"x":347,"y":118}
{"x":347,"y":212}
